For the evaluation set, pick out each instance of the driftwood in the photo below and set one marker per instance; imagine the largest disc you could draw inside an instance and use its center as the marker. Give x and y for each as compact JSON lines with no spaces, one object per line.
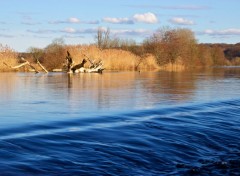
{"x":79,"y":68}
{"x":95,"y":67}
{"x":27,"y":63}
{"x":42,"y":66}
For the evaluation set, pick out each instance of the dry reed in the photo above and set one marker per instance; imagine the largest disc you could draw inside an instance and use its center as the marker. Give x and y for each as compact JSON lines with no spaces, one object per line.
{"x":7,"y":55}
{"x":178,"y":65}
{"x":113,"y":59}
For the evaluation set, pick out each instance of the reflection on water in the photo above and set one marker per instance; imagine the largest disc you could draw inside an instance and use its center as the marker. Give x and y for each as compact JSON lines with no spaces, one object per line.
{"x":88,"y":93}
{"x":8,"y":83}
{"x":32,"y":95}
{"x":121,"y":123}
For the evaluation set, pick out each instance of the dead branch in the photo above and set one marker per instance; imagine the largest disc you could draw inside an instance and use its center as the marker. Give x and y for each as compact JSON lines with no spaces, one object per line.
{"x":42,"y":66}
{"x":27,"y":63}
{"x":79,"y":68}
{"x":17,"y":66}
{"x":91,"y":62}
{"x":69,"y":62}
{"x":94,"y":65}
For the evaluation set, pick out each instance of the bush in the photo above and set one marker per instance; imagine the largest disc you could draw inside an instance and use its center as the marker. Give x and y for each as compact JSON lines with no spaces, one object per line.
{"x":54,"y":55}
{"x":167,"y":45}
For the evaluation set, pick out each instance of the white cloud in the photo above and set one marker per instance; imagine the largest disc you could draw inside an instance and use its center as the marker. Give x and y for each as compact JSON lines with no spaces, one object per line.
{"x":69,"y":30}
{"x":79,"y":31}
{"x":118,"y":20}
{"x":72,"y":36}
{"x":149,"y":17}
{"x":113,"y":32}
{"x":73,"y":20}
{"x":181,"y":21}
{"x":230,"y":31}
{"x":30,"y":23}
{"x":91,"y":22}
{"x":130,"y":32}
{"x":208,"y":31}
{"x":69,"y":20}
{"x":42,"y":31}
{"x":146,"y":18}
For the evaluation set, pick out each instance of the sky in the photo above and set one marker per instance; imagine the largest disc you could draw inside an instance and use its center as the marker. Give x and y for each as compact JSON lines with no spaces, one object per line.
{"x":36,"y":23}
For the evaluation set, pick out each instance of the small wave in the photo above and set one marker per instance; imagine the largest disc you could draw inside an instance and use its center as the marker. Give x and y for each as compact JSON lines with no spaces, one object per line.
{"x":176,"y":140}
{"x":176,"y":114}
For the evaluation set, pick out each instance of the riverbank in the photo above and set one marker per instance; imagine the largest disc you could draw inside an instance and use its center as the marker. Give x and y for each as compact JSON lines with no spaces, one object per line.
{"x":113,"y":59}
{"x":53,"y":57}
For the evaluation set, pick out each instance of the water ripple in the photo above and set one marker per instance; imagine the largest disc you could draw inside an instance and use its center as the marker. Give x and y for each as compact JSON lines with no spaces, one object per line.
{"x":177,"y":140}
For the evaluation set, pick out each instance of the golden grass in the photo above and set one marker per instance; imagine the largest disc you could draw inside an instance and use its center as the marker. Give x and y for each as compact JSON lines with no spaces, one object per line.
{"x":113,"y":59}
{"x":236,"y":61}
{"x":177,"y":66}
{"x":7,"y":55}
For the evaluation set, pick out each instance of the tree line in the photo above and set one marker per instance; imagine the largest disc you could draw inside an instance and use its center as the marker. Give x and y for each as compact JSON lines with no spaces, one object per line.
{"x":174,"y":46}
{"x":168,"y":46}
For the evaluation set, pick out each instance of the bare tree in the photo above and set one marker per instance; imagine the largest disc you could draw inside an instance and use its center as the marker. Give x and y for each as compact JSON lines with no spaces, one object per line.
{"x":99,"y":37}
{"x":54,"y":54}
{"x":103,"y":38}
{"x":169,"y":45}
{"x":36,"y":53}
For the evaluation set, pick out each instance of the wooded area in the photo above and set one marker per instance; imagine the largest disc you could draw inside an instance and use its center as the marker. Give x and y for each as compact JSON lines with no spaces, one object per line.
{"x":166,"y":48}
{"x":176,"y":48}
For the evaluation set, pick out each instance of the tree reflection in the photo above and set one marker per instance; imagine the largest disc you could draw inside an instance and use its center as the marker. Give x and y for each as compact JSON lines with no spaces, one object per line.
{"x":8,"y":82}
{"x":89,"y":92}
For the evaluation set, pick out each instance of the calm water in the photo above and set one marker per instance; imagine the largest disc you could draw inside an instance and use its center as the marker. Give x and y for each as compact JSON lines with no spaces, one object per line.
{"x":122,"y":123}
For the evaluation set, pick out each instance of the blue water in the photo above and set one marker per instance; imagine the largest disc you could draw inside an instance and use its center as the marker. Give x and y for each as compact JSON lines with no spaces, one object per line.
{"x":121,"y":123}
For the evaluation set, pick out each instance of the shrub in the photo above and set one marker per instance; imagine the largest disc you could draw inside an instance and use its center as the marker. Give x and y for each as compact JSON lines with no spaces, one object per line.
{"x":54,"y":55}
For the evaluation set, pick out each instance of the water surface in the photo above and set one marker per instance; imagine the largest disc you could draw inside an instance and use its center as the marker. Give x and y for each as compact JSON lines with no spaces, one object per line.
{"x":121,"y":123}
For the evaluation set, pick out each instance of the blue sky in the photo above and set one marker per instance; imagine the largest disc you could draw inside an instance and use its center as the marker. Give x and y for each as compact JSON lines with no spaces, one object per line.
{"x":35,"y":23}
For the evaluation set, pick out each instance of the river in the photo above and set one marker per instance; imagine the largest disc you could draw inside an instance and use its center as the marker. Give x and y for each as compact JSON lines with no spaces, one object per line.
{"x":121,"y":123}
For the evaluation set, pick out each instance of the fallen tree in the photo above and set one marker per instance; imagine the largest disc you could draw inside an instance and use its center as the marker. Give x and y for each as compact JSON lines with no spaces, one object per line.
{"x":27,"y":63}
{"x":69,"y":67}
{"x":95,"y":67}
